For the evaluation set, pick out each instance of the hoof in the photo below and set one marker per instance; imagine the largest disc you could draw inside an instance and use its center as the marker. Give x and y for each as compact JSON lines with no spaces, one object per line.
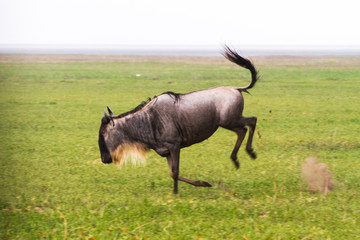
{"x":206,"y":184}
{"x":235,"y":161}
{"x":252,"y":154}
{"x":202,"y":184}
{"x":237,"y":164}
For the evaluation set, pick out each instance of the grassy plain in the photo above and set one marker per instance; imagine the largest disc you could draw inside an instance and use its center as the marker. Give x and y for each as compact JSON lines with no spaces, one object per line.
{"x":53,"y":185}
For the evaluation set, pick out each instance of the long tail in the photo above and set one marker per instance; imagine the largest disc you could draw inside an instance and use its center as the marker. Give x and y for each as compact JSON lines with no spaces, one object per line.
{"x":234,"y":57}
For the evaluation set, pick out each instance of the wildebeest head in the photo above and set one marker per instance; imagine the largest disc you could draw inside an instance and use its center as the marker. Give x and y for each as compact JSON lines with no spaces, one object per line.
{"x":105,"y":121}
{"x":117,"y":144}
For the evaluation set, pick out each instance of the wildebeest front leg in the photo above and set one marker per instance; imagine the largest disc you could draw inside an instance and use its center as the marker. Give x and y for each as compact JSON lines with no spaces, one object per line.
{"x":173,"y":162}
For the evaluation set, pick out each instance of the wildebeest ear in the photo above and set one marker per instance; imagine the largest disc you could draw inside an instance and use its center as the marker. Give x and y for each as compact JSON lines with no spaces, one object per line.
{"x":110,"y":112}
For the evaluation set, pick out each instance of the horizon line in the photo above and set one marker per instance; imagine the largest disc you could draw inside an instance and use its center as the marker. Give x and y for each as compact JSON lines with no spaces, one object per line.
{"x":176,"y":49}
{"x":159,"y":46}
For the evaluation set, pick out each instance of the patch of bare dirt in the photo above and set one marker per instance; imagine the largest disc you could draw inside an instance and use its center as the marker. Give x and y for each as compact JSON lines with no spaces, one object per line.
{"x":284,"y":60}
{"x":331,"y":60}
{"x":42,"y":58}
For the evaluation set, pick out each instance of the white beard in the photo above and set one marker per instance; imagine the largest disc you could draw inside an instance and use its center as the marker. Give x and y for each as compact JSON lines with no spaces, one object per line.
{"x":135,"y":152}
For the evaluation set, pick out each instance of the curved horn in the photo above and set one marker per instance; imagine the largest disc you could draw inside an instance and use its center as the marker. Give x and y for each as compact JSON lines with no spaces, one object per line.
{"x":110,"y":112}
{"x":109,"y":118}
{"x":105,"y":113}
{"x":106,"y":119}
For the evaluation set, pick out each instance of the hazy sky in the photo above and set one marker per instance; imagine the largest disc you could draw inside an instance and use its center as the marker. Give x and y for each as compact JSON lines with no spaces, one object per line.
{"x":180,"y":22}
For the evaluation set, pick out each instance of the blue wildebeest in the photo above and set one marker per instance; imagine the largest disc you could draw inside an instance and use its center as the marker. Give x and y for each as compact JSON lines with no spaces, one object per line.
{"x":171,"y":121}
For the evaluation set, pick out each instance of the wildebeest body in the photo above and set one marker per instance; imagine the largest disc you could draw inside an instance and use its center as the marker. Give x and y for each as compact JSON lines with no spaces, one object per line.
{"x":194,"y":117}
{"x":172,"y":121}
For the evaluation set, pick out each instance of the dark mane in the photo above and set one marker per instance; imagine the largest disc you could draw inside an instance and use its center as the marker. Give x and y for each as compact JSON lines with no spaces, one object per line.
{"x":176,"y":96}
{"x":139,"y":107}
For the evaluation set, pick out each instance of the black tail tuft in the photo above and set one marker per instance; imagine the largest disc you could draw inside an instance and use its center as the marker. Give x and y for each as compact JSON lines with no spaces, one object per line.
{"x":234,"y":57}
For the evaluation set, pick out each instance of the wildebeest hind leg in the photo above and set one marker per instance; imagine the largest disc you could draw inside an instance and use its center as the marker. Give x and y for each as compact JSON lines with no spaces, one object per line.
{"x":241,"y":132}
{"x":251,"y":122}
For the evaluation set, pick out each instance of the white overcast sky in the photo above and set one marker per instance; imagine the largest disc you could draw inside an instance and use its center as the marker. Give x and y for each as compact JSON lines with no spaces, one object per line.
{"x":180,"y":22}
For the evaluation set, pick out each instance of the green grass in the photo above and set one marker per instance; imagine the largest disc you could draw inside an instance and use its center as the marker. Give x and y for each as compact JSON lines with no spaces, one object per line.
{"x":52,"y":184}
